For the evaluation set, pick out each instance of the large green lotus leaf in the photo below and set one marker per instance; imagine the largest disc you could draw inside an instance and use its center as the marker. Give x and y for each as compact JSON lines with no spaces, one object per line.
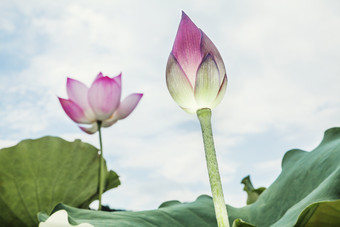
{"x":36,"y":175}
{"x":196,"y":214}
{"x":306,"y":193}
{"x":307,"y":178}
{"x":321,"y":214}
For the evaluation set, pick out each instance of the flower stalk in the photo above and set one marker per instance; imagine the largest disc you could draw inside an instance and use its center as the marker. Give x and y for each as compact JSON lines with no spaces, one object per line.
{"x":101,"y":178}
{"x":204,"y":116}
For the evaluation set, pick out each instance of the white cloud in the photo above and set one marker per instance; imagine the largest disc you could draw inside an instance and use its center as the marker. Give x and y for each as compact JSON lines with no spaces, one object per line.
{"x":7,"y":143}
{"x":269,"y":165}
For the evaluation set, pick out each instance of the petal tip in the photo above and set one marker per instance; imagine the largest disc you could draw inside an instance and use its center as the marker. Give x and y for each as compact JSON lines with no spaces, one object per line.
{"x":100,"y":75}
{"x":128,"y":105}
{"x":185,"y":18}
{"x":118,"y":79}
{"x":74,"y":111}
{"x":69,"y":80}
{"x":61,"y":100}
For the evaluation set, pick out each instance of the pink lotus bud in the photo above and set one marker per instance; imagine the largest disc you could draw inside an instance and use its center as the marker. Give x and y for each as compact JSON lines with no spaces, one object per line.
{"x":99,"y":103}
{"x":195,"y":72}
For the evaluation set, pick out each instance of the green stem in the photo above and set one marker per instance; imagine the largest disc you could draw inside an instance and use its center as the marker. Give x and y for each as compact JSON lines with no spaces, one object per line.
{"x":204,"y":116}
{"x":101,"y":166}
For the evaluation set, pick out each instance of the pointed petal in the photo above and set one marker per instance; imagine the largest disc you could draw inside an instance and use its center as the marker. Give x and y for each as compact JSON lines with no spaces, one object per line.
{"x":118,"y":79}
{"x":208,"y":47}
{"x":104,"y":97}
{"x":124,"y":109}
{"x":91,"y":130}
{"x":207,"y":82}
{"x":128,"y":105}
{"x":187,"y":47}
{"x":74,"y":111}
{"x":221,"y":92}
{"x":77,"y":92}
{"x":179,"y":85}
{"x":100,"y":75}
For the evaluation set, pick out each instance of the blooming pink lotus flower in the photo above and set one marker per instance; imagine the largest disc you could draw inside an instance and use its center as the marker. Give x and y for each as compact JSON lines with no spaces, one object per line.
{"x":99,"y":103}
{"x":195,"y":72}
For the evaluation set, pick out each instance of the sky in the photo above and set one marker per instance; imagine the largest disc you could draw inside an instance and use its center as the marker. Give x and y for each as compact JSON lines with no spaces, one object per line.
{"x":282,"y":60}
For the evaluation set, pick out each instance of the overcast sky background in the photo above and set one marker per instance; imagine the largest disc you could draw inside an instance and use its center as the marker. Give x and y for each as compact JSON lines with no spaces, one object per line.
{"x":283,"y":67}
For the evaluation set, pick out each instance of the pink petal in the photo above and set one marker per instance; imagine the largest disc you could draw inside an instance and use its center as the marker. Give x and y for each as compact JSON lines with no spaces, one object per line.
{"x":179,"y":85}
{"x":187,"y":47}
{"x":104,"y":97}
{"x":118,"y":79}
{"x":128,"y":105}
{"x":77,"y":92}
{"x":124,"y":109}
{"x":221,"y":92}
{"x":91,"y":130}
{"x":100,"y":75}
{"x":208,"y":47}
{"x":74,"y":111}
{"x":207,"y":82}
